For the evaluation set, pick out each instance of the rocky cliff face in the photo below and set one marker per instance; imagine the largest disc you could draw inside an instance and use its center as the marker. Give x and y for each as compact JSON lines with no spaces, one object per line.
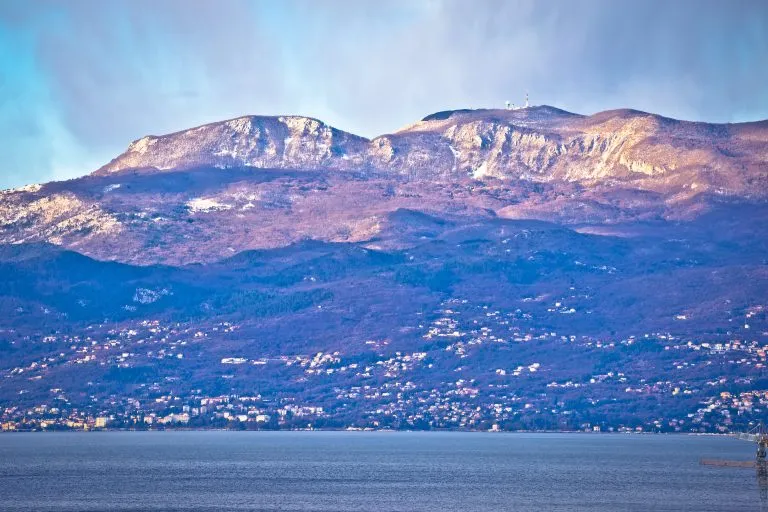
{"x":288,"y":142}
{"x":539,"y":143}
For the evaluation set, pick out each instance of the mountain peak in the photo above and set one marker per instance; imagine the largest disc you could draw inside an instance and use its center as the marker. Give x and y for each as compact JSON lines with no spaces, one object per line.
{"x":534,"y":116}
{"x":246,"y":141}
{"x":522,"y":113}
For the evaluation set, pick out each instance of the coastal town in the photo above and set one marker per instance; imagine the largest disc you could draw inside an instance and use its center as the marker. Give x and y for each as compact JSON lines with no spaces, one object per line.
{"x":471,"y":366}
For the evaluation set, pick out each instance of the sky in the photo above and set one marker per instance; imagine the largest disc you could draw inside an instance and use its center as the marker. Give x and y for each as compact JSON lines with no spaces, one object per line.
{"x":81,"y":79}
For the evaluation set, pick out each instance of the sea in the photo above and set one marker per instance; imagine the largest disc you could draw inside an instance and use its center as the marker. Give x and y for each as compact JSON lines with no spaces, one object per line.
{"x":373,"y":471}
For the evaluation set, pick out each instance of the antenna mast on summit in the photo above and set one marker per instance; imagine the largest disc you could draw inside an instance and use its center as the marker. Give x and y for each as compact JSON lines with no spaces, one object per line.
{"x":526,"y":100}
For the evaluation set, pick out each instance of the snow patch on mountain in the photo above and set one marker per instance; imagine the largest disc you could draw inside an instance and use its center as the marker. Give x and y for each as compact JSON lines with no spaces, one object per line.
{"x":206,"y":205}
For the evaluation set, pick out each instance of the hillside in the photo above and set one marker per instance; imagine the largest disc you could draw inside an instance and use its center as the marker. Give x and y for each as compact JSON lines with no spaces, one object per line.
{"x":170,"y":199}
{"x":528,"y":268}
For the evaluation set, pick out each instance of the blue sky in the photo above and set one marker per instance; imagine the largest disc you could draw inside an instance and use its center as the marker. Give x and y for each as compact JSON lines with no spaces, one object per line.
{"x":81,"y":79}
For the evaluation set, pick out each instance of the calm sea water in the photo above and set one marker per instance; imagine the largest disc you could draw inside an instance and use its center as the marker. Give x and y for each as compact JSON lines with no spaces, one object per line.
{"x":367,"y":471}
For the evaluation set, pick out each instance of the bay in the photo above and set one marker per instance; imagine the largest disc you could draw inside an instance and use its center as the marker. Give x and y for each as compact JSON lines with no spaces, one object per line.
{"x":372,"y":471}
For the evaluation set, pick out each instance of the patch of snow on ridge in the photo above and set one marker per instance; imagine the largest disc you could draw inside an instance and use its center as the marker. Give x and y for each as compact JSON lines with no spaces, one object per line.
{"x":205,"y":205}
{"x":110,"y":188}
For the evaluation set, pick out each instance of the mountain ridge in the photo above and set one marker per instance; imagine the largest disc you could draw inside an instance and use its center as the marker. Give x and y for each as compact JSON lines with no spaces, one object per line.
{"x":261,"y":182}
{"x":530,"y":269}
{"x":539,"y":143}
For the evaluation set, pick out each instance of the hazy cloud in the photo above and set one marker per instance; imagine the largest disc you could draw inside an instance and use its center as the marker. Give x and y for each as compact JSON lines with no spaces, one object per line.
{"x":81,"y":79}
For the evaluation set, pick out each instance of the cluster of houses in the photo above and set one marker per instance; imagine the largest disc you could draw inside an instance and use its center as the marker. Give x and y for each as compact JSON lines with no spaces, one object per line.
{"x":460,"y":373}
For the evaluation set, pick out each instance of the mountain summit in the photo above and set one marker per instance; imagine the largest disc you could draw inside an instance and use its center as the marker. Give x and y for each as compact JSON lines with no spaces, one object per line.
{"x":251,"y":141}
{"x":540,"y":144}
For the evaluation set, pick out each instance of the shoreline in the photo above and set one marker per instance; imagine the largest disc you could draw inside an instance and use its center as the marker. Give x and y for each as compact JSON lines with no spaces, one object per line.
{"x":368,"y":431}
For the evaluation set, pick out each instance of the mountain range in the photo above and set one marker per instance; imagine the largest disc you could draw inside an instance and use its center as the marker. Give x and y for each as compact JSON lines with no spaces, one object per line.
{"x":475,"y":268}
